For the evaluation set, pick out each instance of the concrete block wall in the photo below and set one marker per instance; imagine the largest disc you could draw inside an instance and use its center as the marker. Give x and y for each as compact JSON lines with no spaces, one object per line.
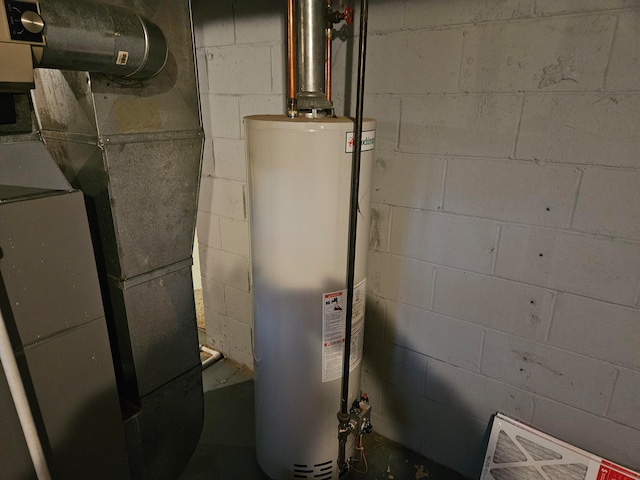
{"x":504,"y":270}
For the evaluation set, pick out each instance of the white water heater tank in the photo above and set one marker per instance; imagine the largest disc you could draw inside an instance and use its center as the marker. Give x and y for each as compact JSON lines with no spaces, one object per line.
{"x":300,"y":178}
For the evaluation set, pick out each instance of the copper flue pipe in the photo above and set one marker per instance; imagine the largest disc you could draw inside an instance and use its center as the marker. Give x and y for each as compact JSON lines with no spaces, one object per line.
{"x":291,"y":55}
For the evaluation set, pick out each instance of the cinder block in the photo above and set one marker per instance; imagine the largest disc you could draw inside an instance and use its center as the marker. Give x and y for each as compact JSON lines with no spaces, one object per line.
{"x":401,"y":279}
{"x":510,"y":307}
{"x":230,"y":162}
{"x":213,"y":24}
{"x":230,"y":337}
{"x":208,"y":229}
{"x":259,"y":21}
{"x":576,"y":380}
{"x":383,"y":16}
{"x":434,"y":335}
{"x":475,"y":395}
{"x":603,"y":437}
{"x":372,"y":386}
{"x":401,"y":432}
{"x":239,"y":305}
{"x":278,"y":77}
{"x":396,"y":365}
{"x":597,"y":267}
{"x":552,"y":7}
{"x":261,"y":105}
{"x":222,"y":197}
{"x":523,"y":192}
{"x":449,"y":240}
{"x":441,"y":13}
{"x":413,"y":181}
{"x":596,"y":329}
{"x":207,"y":158}
{"x":583,"y":129}
{"x":235,"y":236}
{"x":344,"y":86}
{"x":624,"y":66}
{"x":463,"y":125}
{"x":242,"y":69}
{"x":608,"y":203}
{"x":225,"y":268}
{"x":380,"y":227}
{"x":455,"y":439}
{"x":385,"y":109}
{"x":403,"y":406}
{"x":205,"y":113}
{"x":624,"y":403}
{"x":201,"y":70}
{"x":554,"y":54}
{"x":213,"y":295}
{"x":224,"y":116}
{"x":401,"y":63}
{"x":375,"y":313}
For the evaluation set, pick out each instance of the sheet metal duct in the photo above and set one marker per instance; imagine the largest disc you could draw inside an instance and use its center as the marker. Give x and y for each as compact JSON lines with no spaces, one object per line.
{"x":135,"y":152}
{"x":76,"y":35}
{"x":98,"y":37}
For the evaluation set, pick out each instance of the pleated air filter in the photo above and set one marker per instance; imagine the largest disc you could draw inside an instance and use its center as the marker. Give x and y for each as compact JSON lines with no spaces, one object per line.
{"x":519,"y":452}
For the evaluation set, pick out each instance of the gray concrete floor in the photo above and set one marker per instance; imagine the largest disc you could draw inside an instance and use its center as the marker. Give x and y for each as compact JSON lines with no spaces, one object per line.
{"x":226,"y":450}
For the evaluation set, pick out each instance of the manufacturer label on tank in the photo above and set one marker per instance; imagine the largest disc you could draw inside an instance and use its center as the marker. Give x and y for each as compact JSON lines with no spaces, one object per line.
{"x":368,"y":141}
{"x":333,"y":331}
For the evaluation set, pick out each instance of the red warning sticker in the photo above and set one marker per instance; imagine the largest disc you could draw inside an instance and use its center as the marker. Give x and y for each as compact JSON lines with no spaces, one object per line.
{"x":611,"y":471}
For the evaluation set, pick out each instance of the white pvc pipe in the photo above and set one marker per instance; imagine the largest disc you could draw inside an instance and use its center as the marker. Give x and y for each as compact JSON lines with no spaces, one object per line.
{"x":19,"y":396}
{"x":214,"y":356}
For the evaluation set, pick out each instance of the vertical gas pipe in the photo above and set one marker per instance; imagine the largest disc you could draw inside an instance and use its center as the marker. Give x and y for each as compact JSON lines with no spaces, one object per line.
{"x":344,"y":426}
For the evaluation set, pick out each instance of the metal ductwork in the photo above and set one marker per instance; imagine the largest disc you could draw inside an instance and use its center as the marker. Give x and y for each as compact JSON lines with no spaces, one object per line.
{"x":98,"y":37}
{"x":78,"y":35}
{"x":132,"y":144}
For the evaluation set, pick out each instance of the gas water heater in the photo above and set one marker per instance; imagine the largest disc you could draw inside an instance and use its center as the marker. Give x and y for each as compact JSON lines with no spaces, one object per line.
{"x":300,"y":174}
{"x":300,"y":169}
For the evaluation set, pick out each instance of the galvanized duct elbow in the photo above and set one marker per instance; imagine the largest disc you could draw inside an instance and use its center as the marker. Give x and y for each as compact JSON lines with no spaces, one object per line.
{"x":95,"y":37}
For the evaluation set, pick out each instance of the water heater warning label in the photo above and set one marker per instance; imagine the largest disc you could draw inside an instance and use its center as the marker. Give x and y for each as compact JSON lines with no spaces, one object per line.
{"x":333,"y":331}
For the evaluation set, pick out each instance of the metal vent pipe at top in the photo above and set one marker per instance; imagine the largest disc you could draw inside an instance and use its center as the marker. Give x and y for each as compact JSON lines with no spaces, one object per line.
{"x":310,"y":18}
